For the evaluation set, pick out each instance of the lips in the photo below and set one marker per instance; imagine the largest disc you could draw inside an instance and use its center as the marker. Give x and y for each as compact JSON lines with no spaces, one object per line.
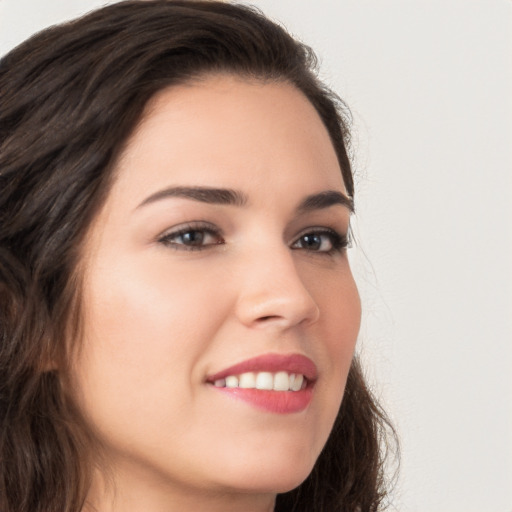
{"x":273,"y":382}
{"x":273,"y":363}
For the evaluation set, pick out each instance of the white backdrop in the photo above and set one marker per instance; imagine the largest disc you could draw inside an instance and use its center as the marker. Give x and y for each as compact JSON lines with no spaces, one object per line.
{"x":429,"y":83}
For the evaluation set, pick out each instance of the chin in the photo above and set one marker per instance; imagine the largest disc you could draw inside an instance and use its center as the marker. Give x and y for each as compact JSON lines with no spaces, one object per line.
{"x":286,"y":481}
{"x":271,"y":476}
{"x":269,"y":482}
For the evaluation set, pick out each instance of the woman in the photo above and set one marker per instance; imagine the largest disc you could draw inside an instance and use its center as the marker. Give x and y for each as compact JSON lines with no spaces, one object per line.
{"x":178,"y":313}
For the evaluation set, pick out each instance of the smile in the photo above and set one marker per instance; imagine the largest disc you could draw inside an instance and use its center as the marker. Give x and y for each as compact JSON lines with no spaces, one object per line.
{"x":280,"y":381}
{"x":275,"y":383}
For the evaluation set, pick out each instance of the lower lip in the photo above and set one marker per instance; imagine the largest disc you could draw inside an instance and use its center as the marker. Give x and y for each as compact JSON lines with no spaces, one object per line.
{"x":279,"y":402}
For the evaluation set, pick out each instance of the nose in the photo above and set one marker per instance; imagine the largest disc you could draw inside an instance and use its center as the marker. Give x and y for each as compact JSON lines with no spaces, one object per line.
{"x":273,"y":294}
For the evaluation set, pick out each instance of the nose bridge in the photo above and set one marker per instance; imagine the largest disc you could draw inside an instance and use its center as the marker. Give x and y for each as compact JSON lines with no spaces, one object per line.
{"x":272,"y":291}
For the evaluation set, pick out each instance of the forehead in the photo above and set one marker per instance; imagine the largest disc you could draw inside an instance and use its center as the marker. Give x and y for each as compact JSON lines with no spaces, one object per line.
{"x":230,"y":130}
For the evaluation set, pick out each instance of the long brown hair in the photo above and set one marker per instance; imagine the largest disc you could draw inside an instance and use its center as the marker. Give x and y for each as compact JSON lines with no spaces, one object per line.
{"x":69,"y":99}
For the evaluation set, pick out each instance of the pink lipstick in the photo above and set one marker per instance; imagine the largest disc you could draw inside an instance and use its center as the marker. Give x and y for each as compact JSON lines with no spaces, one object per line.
{"x":273,"y":382}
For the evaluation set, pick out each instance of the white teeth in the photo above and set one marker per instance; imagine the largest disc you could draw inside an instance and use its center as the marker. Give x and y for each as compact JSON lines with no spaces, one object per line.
{"x":247,"y":380}
{"x":232,"y":381}
{"x":264,"y":380}
{"x":280,"y":381}
{"x":297,"y":383}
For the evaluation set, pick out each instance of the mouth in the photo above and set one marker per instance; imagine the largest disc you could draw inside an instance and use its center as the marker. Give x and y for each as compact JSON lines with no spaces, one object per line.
{"x":280,"y":381}
{"x":272,"y":382}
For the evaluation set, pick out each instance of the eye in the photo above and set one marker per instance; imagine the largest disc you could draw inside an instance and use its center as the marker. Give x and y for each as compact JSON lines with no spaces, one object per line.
{"x":192,"y":237}
{"x":321,"y":240}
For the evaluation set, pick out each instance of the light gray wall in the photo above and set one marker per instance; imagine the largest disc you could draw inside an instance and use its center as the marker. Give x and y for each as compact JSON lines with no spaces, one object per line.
{"x":429,"y":83}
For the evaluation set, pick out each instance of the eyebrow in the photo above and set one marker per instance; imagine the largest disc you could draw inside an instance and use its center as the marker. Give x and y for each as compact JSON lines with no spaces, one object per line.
{"x":325,"y":200}
{"x":202,"y":194}
{"x":225,"y":196}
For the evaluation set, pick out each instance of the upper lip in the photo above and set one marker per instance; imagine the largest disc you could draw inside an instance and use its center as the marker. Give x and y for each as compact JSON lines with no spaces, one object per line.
{"x":291,"y":363}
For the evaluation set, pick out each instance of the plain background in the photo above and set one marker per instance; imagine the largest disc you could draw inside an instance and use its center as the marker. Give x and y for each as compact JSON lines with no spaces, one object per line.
{"x":429,"y":83}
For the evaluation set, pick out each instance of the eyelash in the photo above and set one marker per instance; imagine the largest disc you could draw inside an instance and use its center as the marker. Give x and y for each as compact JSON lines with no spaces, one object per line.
{"x":208,"y":229}
{"x":338,"y":242}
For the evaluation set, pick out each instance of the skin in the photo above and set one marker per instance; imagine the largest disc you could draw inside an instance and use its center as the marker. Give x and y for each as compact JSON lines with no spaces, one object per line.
{"x":160,"y":317}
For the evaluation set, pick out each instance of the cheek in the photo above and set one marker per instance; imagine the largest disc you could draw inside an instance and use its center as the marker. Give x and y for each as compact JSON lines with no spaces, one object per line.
{"x":145,"y":328}
{"x":150,"y":305}
{"x":343,"y":313}
{"x":340,"y":321}
{"x":340,"y":308}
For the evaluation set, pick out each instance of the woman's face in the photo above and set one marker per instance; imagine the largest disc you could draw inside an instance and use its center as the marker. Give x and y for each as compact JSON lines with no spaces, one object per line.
{"x":220,"y":252}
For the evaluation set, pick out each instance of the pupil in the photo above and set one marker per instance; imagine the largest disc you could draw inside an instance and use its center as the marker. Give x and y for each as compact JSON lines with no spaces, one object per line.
{"x":193,"y":237}
{"x":312,"y":241}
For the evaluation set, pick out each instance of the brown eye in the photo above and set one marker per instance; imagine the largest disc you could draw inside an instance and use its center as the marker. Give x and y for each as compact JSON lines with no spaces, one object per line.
{"x":312,"y":242}
{"x":192,"y":238}
{"x":322,"y":241}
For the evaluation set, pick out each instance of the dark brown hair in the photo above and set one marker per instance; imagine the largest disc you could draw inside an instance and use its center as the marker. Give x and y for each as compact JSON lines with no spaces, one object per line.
{"x":69,"y":98}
